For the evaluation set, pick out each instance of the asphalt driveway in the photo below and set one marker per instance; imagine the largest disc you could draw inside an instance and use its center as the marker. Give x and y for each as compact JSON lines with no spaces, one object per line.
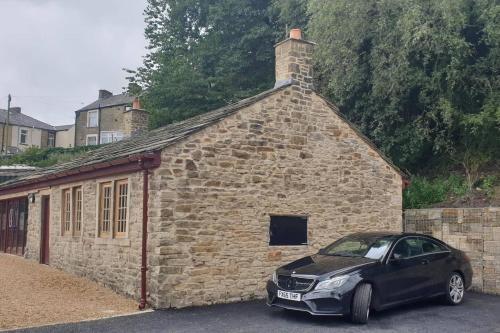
{"x":479,"y":313}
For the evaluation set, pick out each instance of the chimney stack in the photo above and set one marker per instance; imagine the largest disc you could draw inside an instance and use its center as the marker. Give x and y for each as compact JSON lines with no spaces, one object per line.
{"x":294,"y":61}
{"x":15,"y":109}
{"x":136,"y":104}
{"x":104,"y":94}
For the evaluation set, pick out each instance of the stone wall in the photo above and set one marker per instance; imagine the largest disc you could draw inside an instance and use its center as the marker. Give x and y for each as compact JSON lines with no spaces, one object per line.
{"x":114,"y":263}
{"x":288,"y":154}
{"x":111,"y":119}
{"x":135,"y":122}
{"x":473,"y":230}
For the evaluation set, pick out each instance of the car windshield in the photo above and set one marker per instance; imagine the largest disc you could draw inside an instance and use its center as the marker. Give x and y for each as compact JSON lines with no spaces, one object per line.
{"x":358,"y":246}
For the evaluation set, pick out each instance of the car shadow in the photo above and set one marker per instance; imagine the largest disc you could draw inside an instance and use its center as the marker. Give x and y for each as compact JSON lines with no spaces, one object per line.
{"x":299,"y":317}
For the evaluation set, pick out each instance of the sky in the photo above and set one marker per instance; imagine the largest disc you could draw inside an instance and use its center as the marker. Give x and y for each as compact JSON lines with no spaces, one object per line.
{"x":56,"y":54}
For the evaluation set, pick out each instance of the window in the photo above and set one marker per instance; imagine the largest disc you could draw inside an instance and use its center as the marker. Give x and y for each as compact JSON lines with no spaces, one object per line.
{"x":372,"y":247}
{"x":23,"y":136}
{"x":51,"y":140}
{"x":77,"y":204}
{"x":113,"y":209}
{"x":93,"y":118}
{"x":105,"y":210}
{"x":429,"y":246}
{"x":91,"y":139}
{"x":109,"y":137}
{"x":121,"y":203}
{"x":288,"y":230}
{"x":406,"y":248}
{"x":66,"y":211}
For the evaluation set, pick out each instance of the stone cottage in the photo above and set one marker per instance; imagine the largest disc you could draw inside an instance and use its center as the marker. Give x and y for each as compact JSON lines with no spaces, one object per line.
{"x":202,"y":211}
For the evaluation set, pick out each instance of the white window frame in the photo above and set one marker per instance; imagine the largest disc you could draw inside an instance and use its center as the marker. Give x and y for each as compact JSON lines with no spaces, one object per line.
{"x":111,"y":136}
{"x":91,"y":136}
{"x":21,"y":135}
{"x":96,"y":112}
{"x":53,"y":136}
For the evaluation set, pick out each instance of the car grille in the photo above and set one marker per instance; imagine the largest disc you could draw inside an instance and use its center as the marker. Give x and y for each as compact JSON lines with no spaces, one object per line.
{"x":294,"y":283}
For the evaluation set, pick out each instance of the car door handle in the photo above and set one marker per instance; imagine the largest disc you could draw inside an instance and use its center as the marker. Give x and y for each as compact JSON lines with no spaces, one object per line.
{"x":424,"y":262}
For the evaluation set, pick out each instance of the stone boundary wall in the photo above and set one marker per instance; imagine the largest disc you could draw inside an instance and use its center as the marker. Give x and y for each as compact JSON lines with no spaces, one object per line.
{"x":475,"y":231}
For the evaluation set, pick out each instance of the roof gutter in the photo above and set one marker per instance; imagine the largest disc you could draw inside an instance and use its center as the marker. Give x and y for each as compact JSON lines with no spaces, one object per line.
{"x":103,"y":169}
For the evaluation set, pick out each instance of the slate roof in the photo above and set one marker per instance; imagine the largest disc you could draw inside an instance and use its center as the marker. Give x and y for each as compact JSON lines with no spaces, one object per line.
{"x":63,"y":127}
{"x":20,"y":119}
{"x":163,"y":137}
{"x":149,"y":141}
{"x":121,"y":99}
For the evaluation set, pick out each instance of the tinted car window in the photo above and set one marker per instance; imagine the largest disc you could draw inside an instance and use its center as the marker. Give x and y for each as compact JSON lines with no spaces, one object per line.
{"x":407,"y":247}
{"x":429,"y":246}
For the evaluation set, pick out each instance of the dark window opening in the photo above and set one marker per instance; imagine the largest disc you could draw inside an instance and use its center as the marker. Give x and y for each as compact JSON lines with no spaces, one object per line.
{"x":288,"y":230}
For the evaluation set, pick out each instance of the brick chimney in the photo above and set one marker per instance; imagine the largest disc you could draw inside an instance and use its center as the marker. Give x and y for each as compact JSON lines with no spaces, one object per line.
{"x":104,"y":94}
{"x":294,"y":61}
{"x":136,"y":104}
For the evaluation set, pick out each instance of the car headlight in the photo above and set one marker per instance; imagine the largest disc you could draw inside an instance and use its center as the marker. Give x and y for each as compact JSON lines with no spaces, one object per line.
{"x":332,"y":283}
{"x":275,"y":277}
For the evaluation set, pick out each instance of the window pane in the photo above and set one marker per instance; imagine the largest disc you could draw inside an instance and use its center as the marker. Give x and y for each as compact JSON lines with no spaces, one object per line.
{"x":66,"y":212}
{"x":78,"y":211}
{"x":105,"y":214}
{"x":92,"y":118}
{"x":91,"y":140}
{"x":407,"y":247}
{"x":428,"y":246}
{"x":288,"y":230}
{"x":121,"y":195}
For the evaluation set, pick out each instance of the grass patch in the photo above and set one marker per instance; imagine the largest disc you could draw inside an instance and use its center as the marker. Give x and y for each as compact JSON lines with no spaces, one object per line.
{"x":45,"y":157}
{"x":424,"y":192}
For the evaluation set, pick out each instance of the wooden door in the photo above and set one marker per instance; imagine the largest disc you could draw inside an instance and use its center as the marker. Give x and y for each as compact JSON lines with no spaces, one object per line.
{"x":45,"y":230}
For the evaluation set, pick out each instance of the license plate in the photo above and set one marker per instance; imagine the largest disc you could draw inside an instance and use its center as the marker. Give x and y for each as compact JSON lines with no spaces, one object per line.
{"x":288,"y":295}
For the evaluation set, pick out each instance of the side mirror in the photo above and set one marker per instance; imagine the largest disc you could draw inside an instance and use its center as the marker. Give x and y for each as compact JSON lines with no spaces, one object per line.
{"x":321,"y":251}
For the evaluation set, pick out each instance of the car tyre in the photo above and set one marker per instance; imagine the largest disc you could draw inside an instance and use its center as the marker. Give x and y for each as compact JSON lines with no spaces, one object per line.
{"x":360,"y":310}
{"x":455,"y":289}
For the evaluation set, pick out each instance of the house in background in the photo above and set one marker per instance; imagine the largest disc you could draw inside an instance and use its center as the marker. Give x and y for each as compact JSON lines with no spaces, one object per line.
{"x":202,"y":211}
{"x":109,"y":119}
{"x":24,"y":132}
{"x":65,"y":136}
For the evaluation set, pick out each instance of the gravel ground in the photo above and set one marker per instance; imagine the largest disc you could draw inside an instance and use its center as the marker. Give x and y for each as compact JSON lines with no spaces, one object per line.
{"x":478,"y":314}
{"x":32,"y":294}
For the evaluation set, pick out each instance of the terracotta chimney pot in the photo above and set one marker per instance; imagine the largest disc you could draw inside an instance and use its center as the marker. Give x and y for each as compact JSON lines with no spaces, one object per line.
{"x":296,"y":34}
{"x":136,"y":104}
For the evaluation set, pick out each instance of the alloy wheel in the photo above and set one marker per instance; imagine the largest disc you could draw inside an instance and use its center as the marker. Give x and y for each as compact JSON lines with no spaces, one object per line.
{"x":456,"y":288}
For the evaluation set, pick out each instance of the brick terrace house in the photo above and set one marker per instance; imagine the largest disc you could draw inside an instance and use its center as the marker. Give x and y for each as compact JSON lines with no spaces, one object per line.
{"x":213,"y":204}
{"x":109,"y":119}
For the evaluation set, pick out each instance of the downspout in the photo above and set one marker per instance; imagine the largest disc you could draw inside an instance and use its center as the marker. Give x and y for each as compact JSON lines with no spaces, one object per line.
{"x":144,"y":255}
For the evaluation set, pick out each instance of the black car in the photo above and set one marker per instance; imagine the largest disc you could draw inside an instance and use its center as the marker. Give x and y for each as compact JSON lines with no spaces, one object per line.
{"x":366,"y":271}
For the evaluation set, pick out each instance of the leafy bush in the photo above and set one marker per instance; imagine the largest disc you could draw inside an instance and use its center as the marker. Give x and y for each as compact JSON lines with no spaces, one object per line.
{"x":44,"y":157}
{"x":487,"y":184}
{"x":424,"y":192}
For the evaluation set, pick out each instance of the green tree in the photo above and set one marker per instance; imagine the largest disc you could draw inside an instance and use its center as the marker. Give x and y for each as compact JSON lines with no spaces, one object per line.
{"x":411,"y":74}
{"x":204,"y":54}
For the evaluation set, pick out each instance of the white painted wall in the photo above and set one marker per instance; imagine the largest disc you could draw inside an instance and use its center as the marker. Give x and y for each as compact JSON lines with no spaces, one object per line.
{"x":34,"y":138}
{"x":66,"y":139}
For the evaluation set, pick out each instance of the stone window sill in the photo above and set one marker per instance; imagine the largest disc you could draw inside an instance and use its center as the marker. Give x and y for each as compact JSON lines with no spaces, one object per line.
{"x":112,"y":241}
{"x":68,"y":238}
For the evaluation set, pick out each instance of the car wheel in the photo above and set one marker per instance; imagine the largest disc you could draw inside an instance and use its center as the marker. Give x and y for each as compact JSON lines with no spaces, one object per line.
{"x":455,"y":289}
{"x":360,"y":310}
